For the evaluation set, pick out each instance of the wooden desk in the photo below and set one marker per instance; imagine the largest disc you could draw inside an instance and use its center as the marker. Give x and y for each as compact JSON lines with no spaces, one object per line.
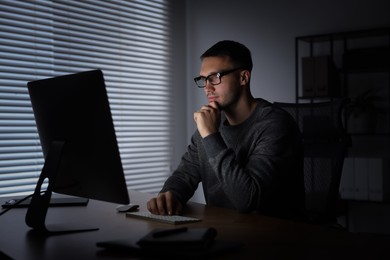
{"x":263,"y":237}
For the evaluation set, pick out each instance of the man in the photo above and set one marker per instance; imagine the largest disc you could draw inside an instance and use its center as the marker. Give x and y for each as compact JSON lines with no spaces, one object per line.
{"x":252,"y":161}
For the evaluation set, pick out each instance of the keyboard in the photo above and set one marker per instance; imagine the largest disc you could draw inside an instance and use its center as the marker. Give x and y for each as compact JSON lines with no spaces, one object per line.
{"x":171,"y":219}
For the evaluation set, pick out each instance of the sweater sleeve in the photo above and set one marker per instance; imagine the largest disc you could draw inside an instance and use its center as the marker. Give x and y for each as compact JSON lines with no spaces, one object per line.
{"x":185,"y":179}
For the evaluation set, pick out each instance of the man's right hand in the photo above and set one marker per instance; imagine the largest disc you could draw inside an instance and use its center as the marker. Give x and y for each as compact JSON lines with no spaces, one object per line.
{"x":207,"y":119}
{"x":165,"y":204}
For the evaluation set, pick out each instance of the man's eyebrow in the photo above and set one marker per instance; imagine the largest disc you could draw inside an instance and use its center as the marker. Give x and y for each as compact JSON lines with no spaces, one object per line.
{"x":209,"y":74}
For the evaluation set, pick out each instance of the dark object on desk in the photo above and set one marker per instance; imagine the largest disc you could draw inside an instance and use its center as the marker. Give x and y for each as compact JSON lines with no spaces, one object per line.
{"x":188,"y":243}
{"x":54,"y":202}
{"x":325,"y":144}
{"x":127,"y":208}
{"x":169,"y":232}
{"x":178,"y":239}
{"x":75,"y":126}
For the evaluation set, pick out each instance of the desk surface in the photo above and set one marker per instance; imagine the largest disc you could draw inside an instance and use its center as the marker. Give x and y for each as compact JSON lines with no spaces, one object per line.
{"x":263,"y":237}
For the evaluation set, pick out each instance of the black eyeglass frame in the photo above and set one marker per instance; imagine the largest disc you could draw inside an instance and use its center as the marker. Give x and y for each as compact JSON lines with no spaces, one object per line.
{"x":218,"y":74}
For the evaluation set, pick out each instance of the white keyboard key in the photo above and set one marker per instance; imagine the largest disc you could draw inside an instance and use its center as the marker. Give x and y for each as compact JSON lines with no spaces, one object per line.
{"x":171,"y":219}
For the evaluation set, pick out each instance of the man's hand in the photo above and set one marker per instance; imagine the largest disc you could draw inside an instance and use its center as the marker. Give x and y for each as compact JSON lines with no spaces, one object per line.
{"x":207,"y":119}
{"x":164,"y":204}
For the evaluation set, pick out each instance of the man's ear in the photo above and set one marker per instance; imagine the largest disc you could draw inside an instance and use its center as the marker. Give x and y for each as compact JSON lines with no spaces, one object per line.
{"x":245,"y":77}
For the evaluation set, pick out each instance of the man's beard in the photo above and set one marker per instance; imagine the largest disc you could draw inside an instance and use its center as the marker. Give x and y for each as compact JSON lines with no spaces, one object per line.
{"x":231,"y":103}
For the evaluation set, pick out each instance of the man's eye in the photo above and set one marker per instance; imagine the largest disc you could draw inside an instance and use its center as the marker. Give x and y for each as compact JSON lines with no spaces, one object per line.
{"x":213,"y":78}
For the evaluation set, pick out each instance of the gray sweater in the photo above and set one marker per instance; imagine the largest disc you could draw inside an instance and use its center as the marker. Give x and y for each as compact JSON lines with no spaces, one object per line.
{"x":256,"y":166}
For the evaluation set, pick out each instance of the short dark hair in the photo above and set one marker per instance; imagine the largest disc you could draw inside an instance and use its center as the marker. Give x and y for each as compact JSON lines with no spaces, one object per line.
{"x":238,"y":53}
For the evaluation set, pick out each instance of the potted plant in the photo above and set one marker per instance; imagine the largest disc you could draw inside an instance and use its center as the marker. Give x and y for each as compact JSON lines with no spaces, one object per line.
{"x":362,"y":112}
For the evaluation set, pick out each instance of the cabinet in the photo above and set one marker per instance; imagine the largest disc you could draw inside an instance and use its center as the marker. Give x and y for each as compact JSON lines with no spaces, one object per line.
{"x":355,"y":65}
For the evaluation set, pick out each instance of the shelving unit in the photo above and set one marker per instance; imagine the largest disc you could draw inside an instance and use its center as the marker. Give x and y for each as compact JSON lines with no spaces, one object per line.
{"x":354,"y":65}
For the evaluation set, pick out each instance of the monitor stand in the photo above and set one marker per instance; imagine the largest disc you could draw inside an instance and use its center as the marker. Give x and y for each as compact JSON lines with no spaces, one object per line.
{"x":37,"y":210}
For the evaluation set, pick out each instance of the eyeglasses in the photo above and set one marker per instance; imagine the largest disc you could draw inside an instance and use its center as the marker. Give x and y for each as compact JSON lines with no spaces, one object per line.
{"x":213,"y":79}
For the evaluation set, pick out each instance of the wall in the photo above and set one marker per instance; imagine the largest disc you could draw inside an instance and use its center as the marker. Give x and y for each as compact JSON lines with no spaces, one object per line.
{"x":179,"y":132}
{"x":269,"y":28}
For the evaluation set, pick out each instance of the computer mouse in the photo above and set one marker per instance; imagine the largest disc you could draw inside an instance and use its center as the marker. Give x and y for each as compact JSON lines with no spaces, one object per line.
{"x":127,"y":208}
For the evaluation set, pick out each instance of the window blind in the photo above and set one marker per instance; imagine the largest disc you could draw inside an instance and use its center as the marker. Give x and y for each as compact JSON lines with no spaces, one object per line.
{"x":128,"y":40}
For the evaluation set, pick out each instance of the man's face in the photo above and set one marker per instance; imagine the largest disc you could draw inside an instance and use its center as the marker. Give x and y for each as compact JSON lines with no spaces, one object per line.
{"x":229,"y":90}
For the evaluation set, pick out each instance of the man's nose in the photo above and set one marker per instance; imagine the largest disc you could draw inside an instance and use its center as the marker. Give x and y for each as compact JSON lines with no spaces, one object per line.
{"x":208,"y":86}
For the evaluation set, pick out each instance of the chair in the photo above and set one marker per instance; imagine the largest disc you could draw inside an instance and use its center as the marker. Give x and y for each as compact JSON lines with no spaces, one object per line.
{"x":325,"y":145}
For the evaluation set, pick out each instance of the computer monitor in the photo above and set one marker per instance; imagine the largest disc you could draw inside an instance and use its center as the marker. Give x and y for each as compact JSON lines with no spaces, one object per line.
{"x":79,"y":144}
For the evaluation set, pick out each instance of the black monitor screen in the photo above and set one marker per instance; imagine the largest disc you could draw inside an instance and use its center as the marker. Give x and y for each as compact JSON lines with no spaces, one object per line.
{"x":74,"y":110}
